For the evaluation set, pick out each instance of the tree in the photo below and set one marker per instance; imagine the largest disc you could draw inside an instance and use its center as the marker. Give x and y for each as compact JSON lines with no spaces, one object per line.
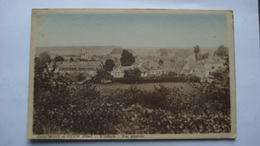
{"x":222,"y":51}
{"x":221,"y":76}
{"x":160,"y":62}
{"x":127,"y":58}
{"x":109,"y":65}
{"x":202,"y":56}
{"x":45,"y":57}
{"x":71,"y":59}
{"x":101,"y":76}
{"x":172,"y":74}
{"x":59,"y":58}
{"x":53,"y":99}
{"x":132,"y":76}
{"x":196,"y":51}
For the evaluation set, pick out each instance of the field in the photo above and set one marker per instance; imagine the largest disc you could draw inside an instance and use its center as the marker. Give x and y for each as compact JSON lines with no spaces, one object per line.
{"x":108,"y":88}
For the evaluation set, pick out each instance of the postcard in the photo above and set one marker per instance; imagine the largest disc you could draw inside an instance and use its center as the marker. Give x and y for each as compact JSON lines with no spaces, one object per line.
{"x":131,"y":74}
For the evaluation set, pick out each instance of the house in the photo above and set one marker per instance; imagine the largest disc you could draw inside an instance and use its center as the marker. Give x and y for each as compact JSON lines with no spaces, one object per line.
{"x":210,"y":68}
{"x":190,"y":58}
{"x":150,"y":64}
{"x":89,"y":67}
{"x":118,"y":72}
{"x":71,"y":56}
{"x":84,"y":56}
{"x":194,"y":68}
{"x":144,"y":73}
{"x":156,"y":72}
{"x":202,"y":69}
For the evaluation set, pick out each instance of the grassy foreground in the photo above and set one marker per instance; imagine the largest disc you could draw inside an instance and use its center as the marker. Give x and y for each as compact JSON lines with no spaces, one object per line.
{"x":133,"y":111}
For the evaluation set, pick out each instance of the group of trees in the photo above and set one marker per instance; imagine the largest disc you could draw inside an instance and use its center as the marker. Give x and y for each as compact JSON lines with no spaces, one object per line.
{"x":102,"y":76}
{"x":132,"y":76}
{"x":46,"y":57}
{"x":222,"y":51}
{"x":109,"y":65}
{"x":198,"y":55}
{"x":127,"y":58}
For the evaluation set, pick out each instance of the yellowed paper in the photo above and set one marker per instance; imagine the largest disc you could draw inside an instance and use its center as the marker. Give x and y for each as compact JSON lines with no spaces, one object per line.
{"x":129,"y":74}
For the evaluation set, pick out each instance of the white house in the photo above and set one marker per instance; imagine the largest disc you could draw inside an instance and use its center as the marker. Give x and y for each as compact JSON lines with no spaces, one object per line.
{"x":156,"y":72}
{"x":210,"y":68}
{"x":88,"y":67}
{"x":144,"y":72}
{"x":84,"y":55}
{"x":118,"y":73}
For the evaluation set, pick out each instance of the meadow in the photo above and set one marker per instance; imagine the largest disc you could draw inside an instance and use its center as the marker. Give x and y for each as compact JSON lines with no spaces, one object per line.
{"x":109,"y":88}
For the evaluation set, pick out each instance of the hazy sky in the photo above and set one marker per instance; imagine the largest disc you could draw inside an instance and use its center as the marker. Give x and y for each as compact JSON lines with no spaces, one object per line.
{"x":139,"y":30}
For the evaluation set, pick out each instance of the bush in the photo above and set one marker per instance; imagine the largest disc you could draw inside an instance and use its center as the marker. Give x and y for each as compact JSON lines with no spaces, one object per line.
{"x":162,"y":79}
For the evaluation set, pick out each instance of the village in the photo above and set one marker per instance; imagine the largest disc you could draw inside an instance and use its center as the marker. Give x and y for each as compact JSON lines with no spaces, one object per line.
{"x":87,"y":65}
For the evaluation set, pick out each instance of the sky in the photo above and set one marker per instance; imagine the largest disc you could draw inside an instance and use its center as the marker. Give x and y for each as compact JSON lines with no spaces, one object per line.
{"x":132,"y":29}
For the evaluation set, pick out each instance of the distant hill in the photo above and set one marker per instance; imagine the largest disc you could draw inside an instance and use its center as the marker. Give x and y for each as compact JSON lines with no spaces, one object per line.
{"x":64,"y":50}
{"x":104,"y":50}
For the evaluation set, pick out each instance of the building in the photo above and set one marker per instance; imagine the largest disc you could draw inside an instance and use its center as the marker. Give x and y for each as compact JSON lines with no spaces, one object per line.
{"x":144,"y":73}
{"x":88,"y":67}
{"x":210,"y":68}
{"x":69,"y":57}
{"x":117,"y":73}
{"x":84,"y":56}
{"x":156,"y":72}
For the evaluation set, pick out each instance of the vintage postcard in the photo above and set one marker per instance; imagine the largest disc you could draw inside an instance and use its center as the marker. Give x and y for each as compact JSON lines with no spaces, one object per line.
{"x":130,"y":74}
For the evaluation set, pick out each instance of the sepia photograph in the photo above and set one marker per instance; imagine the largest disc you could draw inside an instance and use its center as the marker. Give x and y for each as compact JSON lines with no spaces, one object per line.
{"x":130,"y":74}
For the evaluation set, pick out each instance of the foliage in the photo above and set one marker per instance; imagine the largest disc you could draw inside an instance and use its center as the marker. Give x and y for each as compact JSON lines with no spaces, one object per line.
{"x":109,"y":65}
{"x":45,"y":56}
{"x":58,"y":59}
{"x":172,"y":74}
{"x":222,"y":51}
{"x":71,"y":59}
{"x":170,"y":77}
{"x":127,"y":58}
{"x":202,"y":56}
{"x":101,"y":76}
{"x":196,"y":51}
{"x":160,"y":62}
{"x":132,"y":76}
{"x":49,"y":90}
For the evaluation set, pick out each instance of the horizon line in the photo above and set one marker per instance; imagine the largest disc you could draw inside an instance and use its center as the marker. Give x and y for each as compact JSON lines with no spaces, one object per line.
{"x":136,"y":47}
